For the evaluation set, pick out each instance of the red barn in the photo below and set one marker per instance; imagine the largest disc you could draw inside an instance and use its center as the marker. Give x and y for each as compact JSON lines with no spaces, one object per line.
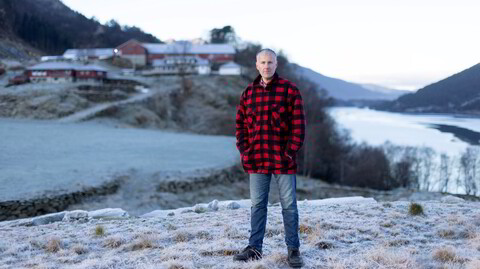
{"x":145,"y":53}
{"x":65,"y":72}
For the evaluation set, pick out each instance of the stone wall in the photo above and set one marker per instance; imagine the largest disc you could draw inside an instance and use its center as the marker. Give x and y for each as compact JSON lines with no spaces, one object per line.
{"x":52,"y":203}
{"x":215,"y":177}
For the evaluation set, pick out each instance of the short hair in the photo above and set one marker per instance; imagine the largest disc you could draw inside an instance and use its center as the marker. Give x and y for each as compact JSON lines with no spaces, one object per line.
{"x":266,"y":50}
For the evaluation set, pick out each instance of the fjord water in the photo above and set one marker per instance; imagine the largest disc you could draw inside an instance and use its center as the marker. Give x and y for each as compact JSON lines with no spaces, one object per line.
{"x":377,"y":127}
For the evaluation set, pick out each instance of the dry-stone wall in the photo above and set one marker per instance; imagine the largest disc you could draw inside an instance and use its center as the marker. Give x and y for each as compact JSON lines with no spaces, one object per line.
{"x":51,"y":203}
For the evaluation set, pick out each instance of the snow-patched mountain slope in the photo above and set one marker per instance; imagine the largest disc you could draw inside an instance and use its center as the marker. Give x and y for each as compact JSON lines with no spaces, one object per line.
{"x":334,"y":233}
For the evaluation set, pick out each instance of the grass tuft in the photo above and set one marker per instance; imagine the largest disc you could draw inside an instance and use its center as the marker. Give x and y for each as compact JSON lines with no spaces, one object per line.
{"x":182,"y":237}
{"x":113,"y":242}
{"x":99,"y":230}
{"x":305,"y":229}
{"x":204,"y":235}
{"x":445,"y":254}
{"x":142,"y":243}
{"x":415,"y":209}
{"x":53,"y":245}
{"x":446,"y":233}
{"x":79,"y":249}
{"x":223,"y":252}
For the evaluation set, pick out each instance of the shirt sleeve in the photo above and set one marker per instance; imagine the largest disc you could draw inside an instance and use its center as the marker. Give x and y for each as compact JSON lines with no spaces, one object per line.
{"x":297,"y":134}
{"x":241,"y":127}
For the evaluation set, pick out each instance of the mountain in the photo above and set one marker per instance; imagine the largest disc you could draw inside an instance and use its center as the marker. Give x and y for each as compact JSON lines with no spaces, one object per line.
{"x":50,"y":27}
{"x":459,"y":93}
{"x":344,"y":90}
{"x":385,"y":90}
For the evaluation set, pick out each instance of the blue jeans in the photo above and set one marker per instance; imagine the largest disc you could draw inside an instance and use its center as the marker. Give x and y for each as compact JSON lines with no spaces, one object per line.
{"x":259,"y":188}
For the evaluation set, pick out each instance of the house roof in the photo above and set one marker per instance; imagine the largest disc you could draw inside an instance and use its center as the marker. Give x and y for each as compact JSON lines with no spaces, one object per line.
{"x":104,"y":52}
{"x":91,"y":67}
{"x":65,"y":66}
{"x":188,"y":48}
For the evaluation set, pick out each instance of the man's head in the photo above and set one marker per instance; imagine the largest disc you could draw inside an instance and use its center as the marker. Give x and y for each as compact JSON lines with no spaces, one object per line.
{"x":266,"y":63}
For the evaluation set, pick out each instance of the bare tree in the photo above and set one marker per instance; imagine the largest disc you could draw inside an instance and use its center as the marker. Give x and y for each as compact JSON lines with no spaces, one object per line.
{"x":445,"y":172}
{"x":426,"y":165}
{"x":469,"y":169}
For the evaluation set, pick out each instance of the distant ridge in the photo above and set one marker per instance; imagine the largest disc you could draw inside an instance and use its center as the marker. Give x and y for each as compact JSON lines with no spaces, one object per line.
{"x":459,"y":93}
{"x":344,"y":90}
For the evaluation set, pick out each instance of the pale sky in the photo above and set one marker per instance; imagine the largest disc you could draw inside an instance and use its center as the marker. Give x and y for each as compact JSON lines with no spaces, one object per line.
{"x":405,"y":44}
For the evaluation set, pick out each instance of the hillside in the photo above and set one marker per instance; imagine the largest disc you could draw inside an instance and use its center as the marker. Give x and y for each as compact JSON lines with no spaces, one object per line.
{"x":458,"y":93}
{"x":197,"y":104}
{"x":50,"y":27}
{"x":347,"y":233}
{"x":343,"y":90}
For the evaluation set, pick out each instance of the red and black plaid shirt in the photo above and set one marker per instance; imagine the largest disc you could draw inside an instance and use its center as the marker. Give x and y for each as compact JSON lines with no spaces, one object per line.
{"x":270,"y":126}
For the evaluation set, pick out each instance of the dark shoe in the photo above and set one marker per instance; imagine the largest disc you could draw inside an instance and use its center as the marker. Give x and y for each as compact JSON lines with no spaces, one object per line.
{"x":249,"y":253}
{"x":294,"y":259}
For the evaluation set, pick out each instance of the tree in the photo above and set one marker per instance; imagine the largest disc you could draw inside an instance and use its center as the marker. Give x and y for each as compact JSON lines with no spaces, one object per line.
{"x":469,"y":166}
{"x":223,"y":35}
{"x":445,"y":172}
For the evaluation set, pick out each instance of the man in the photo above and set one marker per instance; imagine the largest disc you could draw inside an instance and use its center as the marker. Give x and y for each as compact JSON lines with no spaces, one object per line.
{"x":270,"y":129}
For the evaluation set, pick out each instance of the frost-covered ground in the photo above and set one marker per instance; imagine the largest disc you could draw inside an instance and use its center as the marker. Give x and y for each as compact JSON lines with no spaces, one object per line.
{"x":335,"y":233}
{"x":68,"y":157}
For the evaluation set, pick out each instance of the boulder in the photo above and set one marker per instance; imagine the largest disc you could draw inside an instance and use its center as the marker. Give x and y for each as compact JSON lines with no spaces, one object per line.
{"x":46,"y":219}
{"x":213,"y":205}
{"x":108,"y":213}
{"x":233,"y":205}
{"x":450,"y":199}
{"x":76,"y":215}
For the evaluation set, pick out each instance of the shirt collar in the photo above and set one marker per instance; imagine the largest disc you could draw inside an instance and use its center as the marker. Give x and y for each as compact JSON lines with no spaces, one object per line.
{"x":259,"y":81}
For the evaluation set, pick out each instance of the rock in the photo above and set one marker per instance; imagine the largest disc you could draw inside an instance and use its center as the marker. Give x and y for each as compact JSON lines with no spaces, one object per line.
{"x":450,"y":199}
{"x":233,"y":205}
{"x":200,"y":208}
{"x":108,"y":213}
{"x":46,"y":219}
{"x":171,"y":214}
{"x":324,"y":245}
{"x":79,"y":215}
{"x":186,"y":211}
{"x":213,"y":205}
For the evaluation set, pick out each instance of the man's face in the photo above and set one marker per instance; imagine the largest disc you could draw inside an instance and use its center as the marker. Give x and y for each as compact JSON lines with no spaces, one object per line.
{"x":266,"y":64}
